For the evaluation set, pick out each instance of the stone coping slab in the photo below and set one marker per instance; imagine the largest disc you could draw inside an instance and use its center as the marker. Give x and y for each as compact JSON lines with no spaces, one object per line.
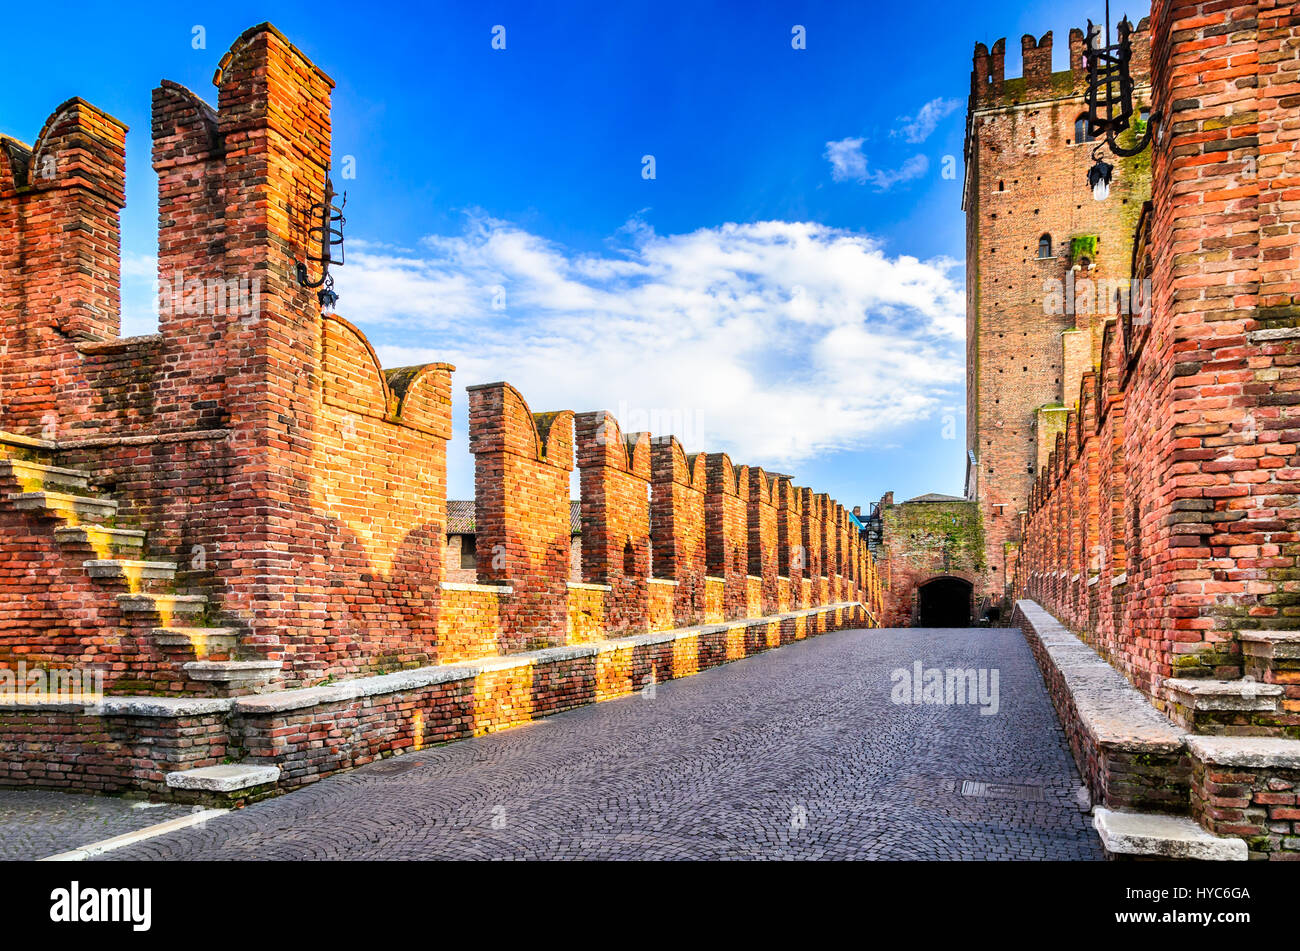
{"x":127,"y":706}
{"x":27,"y":442}
{"x":471,"y":586}
{"x":1163,"y":836}
{"x":1266,"y":752}
{"x":417,"y":678}
{"x":1115,"y":712}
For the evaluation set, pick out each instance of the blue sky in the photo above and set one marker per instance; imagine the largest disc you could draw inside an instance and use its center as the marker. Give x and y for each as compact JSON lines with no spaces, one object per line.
{"x":788,"y":286}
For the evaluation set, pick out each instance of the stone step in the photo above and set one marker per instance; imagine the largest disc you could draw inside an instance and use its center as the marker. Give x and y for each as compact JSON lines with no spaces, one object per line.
{"x":162,"y":604}
{"x":26,"y":443}
{"x":202,"y":640}
{"x":101,"y":539}
{"x":1270,"y":645}
{"x":33,"y":476}
{"x":1243,"y":694}
{"x":1244,"y":707}
{"x":124,"y":569}
{"x":64,"y":505}
{"x":226,"y":778}
{"x":241,"y":673}
{"x":1153,"y":835}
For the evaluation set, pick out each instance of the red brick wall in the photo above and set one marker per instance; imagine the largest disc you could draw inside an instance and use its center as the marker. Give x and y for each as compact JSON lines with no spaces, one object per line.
{"x":522,"y":463}
{"x":726,"y":530}
{"x":1196,"y":435}
{"x":677,"y":524}
{"x":615,"y":492}
{"x":789,"y":530}
{"x":1025,"y":177}
{"x":811,"y":532}
{"x":763,"y":542}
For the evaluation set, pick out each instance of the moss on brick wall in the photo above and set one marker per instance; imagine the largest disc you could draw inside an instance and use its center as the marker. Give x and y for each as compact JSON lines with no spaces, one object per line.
{"x":937,"y":536}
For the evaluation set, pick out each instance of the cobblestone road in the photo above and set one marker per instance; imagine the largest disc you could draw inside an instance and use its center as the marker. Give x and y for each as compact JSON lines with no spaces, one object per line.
{"x":794,"y":754}
{"x":35,"y":824}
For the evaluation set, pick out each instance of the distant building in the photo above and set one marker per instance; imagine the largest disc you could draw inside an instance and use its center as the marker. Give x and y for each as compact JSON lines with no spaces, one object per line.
{"x":460,"y":562}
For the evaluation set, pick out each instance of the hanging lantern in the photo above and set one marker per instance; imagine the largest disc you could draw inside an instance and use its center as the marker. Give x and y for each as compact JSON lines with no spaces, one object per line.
{"x":1099,"y":178}
{"x":326,"y":235}
{"x":1110,"y":99}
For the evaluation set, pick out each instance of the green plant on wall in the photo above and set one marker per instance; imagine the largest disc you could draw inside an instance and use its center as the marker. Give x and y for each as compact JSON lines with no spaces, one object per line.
{"x":1084,"y":245}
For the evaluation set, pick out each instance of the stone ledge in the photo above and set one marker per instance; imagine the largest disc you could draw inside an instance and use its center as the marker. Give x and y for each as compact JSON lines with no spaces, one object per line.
{"x":118,"y":343}
{"x":1153,"y":835}
{"x":1273,"y":333}
{"x":286,"y":700}
{"x":27,"y":442}
{"x":1259,"y":752}
{"x":223,"y":779}
{"x":148,"y":439}
{"x":1239,"y":695}
{"x":1284,"y":645}
{"x":588,"y":586}
{"x":1115,"y":712}
{"x":662,"y":581}
{"x":470,"y":586}
{"x":126,"y":706}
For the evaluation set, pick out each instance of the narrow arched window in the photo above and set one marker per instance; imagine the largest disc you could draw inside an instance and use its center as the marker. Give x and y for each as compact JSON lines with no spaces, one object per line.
{"x":1081,"y":133}
{"x":1045,"y":246}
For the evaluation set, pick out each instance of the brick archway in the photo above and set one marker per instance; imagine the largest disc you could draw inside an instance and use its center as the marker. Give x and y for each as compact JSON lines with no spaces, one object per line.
{"x":944,"y":600}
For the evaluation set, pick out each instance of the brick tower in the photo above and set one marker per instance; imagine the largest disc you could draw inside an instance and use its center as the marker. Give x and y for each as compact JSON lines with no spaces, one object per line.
{"x":1041,"y":256}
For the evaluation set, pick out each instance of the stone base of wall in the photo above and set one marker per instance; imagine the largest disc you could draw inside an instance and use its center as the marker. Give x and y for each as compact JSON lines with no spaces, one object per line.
{"x":131,"y":744}
{"x":1130,"y":756}
{"x":1163,"y":793}
{"x":1249,"y":787}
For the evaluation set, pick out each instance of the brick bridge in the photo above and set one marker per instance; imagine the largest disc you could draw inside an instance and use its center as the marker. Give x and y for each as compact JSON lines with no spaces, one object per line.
{"x":237,"y":526}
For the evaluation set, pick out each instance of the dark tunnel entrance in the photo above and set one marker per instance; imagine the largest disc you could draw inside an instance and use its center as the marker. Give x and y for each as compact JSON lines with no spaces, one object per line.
{"x":944,"y":602}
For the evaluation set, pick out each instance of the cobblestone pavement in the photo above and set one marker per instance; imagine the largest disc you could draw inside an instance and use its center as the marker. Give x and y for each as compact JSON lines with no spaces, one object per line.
{"x":35,"y":824}
{"x":794,"y":754}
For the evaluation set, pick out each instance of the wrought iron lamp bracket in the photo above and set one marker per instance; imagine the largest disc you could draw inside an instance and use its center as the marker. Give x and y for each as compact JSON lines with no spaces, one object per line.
{"x":326,"y":233}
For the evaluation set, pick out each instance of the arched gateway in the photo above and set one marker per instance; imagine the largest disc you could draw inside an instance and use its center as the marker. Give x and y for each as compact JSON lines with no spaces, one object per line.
{"x":944,"y":601}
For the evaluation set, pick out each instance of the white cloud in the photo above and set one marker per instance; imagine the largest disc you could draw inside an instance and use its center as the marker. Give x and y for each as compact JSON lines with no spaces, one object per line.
{"x":847,"y":161}
{"x":914,"y":167}
{"x":775,"y":341}
{"x":916,"y":129}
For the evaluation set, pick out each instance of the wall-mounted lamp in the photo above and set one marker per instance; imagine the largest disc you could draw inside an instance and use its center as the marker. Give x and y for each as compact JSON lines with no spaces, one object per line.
{"x":326,"y":234}
{"x":1099,"y":176}
{"x":1110,"y":99}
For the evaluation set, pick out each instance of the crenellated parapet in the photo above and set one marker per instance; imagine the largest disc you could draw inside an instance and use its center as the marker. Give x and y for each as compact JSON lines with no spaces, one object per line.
{"x":615,"y":512}
{"x":60,"y":265}
{"x":1038,"y":81}
{"x":726,"y":500}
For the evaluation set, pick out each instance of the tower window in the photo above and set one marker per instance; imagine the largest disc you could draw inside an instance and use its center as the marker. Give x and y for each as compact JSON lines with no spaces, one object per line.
{"x":1081,"y":133}
{"x":1045,"y":246}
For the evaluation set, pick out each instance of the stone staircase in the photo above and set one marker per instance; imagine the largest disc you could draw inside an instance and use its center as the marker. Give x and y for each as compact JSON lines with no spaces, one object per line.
{"x":1263,"y":701}
{"x":206,"y":654}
